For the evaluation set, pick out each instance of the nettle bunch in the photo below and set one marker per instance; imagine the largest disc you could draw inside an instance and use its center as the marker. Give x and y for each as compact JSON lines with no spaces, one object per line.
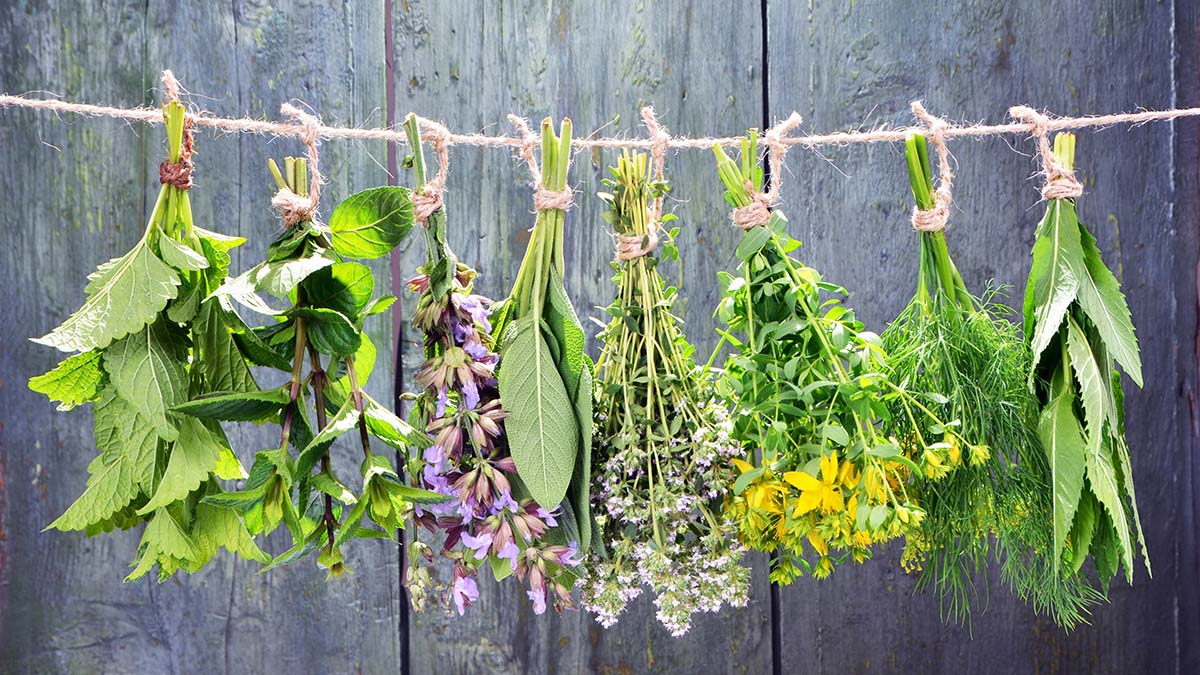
{"x":812,"y":395}
{"x":150,"y":337}
{"x":468,"y":460}
{"x":296,"y":483}
{"x":963,"y":348}
{"x":661,"y":466}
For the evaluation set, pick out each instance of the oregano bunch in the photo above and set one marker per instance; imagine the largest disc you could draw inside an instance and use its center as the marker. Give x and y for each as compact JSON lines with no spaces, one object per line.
{"x":661,"y":466}
{"x":150,"y":338}
{"x":296,"y":483}
{"x":485,"y":521}
{"x":811,"y":395}
{"x":949,"y":342}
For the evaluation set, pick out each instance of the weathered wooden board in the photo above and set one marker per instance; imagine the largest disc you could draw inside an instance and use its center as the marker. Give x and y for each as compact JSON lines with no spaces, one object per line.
{"x":844,"y":65}
{"x":63,"y":605}
{"x":597,"y":63}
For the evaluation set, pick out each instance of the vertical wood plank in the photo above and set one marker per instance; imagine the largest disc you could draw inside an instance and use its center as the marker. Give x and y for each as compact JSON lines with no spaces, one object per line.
{"x":847,"y":65}
{"x":597,"y":63}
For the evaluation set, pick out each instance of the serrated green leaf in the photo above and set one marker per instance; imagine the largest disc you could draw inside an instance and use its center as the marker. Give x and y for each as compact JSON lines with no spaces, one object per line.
{"x":229,"y":467}
{"x":1101,"y":299}
{"x":1082,"y":532}
{"x":163,"y":542}
{"x":541,"y":427}
{"x":417,"y":495}
{"x":344,"y":287}
{"x":244,"y":290}
{"x":193,"y":457}
{"x":121,"y":432}
{"x":76,"y":380}
{"x":110,"y":487}
{"x":1103,"y":480}
{"x":220,"y":360}
{"x":181,"y":256}
{"x":329,"y":331}
{"x":123,"y":295}
{"x":149,"y":370}
{"x":184,"y":307}
{"x":369,"y":224}
{"x":1055,"y":276}
{"x":330,"y":485}
{"x":217,"y":528}
{"x":254,"y":406}
{"x":1063,"y":440}
{"x":281,"y":277}
{"x":1092,"y":389}
{"x":341,"y":422}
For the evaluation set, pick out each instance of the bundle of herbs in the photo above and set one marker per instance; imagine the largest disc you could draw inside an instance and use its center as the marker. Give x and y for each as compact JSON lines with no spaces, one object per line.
{"x":661,"y":466}
{"x":825,"y":464}
{"x":972,"y":363}
{"x":1078,"y":324}
{"x":150,"y":339}
{"x":545,"y":379}
{"x":459,"y":408}
{"x":331,"y":298}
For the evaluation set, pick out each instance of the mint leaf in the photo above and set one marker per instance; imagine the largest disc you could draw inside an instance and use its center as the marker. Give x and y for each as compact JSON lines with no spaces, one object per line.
{"x":329,"y":331}
{"x":369,"y":224}
{"x":149,"y":370}
{"x":74,"y":381}
{"x":542,"y":430}
{"x":255,"y":406}
{"x":124,"y":294}
{"x":344,"y":287}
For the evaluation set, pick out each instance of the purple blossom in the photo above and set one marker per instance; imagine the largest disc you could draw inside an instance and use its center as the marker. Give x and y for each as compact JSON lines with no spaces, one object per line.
{"x":465,"y":591}
{"x":538,"y":597}
{"x":572,"y":558}
{"x":463,"y":331}
{"x":475,"y":309}
{"x":546,"y":516}
{"x":477,"y":351}
{"x":509,"y":552}
{"x":479,"y":544}
{"x":442,"y":400}
{"x":504,"y":501}
{"x":434,"y":455}
{"x":470,"y":394}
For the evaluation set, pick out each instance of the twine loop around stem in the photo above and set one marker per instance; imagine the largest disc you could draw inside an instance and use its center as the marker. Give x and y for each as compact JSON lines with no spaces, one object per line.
{"x":542,"y":198}
{"x":177,"y":174}
{"x":1061,"y":182}
{"x":935,"y":219}
{"x":428,"y":199}
{"x":293,"y":208}
{"x":758,"y":211}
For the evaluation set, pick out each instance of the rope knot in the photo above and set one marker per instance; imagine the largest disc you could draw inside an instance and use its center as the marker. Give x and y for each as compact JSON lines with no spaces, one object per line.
{"x":935,"y":219}
{"x":754,"y":214}
{"x":660,"y":140}
{"x":428,"y":199}
{"x":549,"y":199}
{"x":542,"y":198}
{"x":293,"y":208}
{"x":632,"y":246}
{"x":1061,"y":182}
{"x":178,"y":174}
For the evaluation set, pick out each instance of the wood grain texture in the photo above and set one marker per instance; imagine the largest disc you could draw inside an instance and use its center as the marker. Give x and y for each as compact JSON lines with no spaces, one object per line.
{"x":844,"y":65}
{"x":597,"y":63}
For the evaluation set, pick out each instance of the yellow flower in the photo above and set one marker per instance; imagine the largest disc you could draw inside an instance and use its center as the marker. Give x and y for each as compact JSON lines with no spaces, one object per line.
{"x":980,"y":454}
{"x":814,"y":492}
{"x":818,"y":543}
{"x":765,"y":497}
{"x":874,"y":484}
{"x":954,"y":452}
{"x":862,"y":538}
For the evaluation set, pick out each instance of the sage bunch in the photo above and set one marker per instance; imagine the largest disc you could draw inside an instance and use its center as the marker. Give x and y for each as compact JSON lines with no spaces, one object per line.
{"x":826,"y":469}
{"x":963,"y":349}
{"x":661,"y":466}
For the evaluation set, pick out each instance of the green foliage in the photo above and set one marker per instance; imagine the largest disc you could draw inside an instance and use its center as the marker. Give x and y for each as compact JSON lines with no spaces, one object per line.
{"x":371,"y":223}
{"x":74,"y":381}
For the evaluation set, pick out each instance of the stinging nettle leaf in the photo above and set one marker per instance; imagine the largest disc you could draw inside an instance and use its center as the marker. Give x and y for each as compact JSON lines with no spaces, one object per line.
{"x":371,"y":223}
{"x":110,"y":487}
{"x":76,"y":380}
{"x":148,"y":369}
{"x":193,"y":457}
{"x":124,"y":294}
{"x":1103,"y":480}
{"x":541,"y":426}
{"x":181,"y":256}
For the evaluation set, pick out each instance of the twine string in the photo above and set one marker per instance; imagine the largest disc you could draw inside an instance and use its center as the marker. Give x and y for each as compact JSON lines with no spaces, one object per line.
{"x":1061,"y":182}
{"x":542,"y":198}
{"x":631,"y":246}
{"x":935,"y":219}
{"x":293,"y":208}
{"x":758,"y":211}
{"x":177,"y":174}
{"x":428,"y":199}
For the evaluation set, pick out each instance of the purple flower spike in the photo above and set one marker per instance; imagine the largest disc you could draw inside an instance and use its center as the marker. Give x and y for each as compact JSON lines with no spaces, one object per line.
{"x":538,"y":598}
{"x":504,"y":501}
{"x":442,"y":400}
{"x":479,"y":545}
{"x":470,"y":394}
{"x":547,"y":516}
{"x":510,"y":552}
{"x":465,"y":591}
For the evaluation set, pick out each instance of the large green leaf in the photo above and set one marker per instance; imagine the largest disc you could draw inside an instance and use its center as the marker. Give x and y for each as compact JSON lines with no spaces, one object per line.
{"x":111,"y":486}
{"x":1101,"y":299}
{"x":215,"y":528}
{"x":342,"y":422}
{"x":1093,"y":389}
{"x":581,"y":480}
{"x":149,"y":370}
{"x":123,"y":295}
{"x":331,"y":332}
{"x":369,"y":224}
{"x":1103,"y":479}
{"x":181,"y":256}
{"x":345,"y":287}
{"x":76,"y":380}
{"x":163,"y":542}
{"x":1063,"y":440}
{"x":121,"y":432}
{"x":1054,"y":278}
{"x":543,"y":434}
{"x":221,"y":361}
{"x":564,"y":324}
{"x":254,"y":406}
{"x":193,"y":457}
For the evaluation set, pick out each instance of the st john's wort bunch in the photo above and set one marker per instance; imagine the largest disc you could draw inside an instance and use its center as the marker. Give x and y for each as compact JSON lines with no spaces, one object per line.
{"x":661,"y":464}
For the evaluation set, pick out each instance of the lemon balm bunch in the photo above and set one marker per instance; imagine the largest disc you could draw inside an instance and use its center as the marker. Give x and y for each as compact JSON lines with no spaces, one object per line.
{"x":662,"y":443}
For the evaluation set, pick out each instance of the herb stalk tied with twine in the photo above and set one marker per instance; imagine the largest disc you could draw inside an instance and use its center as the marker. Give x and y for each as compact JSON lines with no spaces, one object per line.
{"x":661,"y":466}
{"x":963,"y":351}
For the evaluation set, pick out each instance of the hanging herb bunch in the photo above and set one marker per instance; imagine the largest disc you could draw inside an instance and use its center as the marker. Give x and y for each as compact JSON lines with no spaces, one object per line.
{"x":662,"y":465}
{"x":468,"y":460}
{"x":1078,"y":323}
{"x":545,"y":381}
{"x":811,"y":395}
{"x":972,"y":362}
{"x":149,"y":338}
{"x":323,"y":329}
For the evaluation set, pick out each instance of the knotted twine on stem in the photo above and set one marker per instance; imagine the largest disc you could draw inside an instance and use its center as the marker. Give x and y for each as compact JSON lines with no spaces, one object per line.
{"x":542,"y":198}
{"x":758,"y":211}
{"x":428,"y":199}
{"x":631,"y":246}
{"x":1061,"y":182}
{"x":292,"y":207}
{"x":177,"y":174}
{"x":935,"y":219}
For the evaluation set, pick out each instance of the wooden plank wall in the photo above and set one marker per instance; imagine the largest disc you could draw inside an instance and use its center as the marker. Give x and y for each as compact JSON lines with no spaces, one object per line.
{"x":73,"y":192}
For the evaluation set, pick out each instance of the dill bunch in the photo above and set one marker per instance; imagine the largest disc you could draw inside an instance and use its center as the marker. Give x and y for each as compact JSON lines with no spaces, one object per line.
{"x":662,"y":446}
{"x":973,"y":361}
